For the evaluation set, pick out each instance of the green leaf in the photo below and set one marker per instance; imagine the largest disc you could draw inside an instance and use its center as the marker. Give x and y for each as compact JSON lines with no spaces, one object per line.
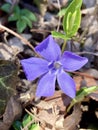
{"x":72,"y":18}
{"x":62,"y":12}
{"x":8,"y":82}
{"x":21,"y":25}
{"x":34,"y":127}
{"x":6,"y":8}
{"x":93,"y":126}
{"x":17,"y":125}
{"x":84,"y":91}
{"x":59,"y":35}
{"x":28,"y":21}
{"x":73,"y":23}
{"x":13,"y":17}
{"x":27,"y":119}
{"x":28,"y":14}
{"x":17,"y":9}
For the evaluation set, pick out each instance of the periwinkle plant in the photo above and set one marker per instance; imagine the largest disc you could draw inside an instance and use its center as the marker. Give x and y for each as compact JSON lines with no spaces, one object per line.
{"x":54,"y":65}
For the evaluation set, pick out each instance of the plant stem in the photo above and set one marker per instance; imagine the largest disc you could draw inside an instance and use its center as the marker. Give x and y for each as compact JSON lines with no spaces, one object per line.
{"x":64,"y":45}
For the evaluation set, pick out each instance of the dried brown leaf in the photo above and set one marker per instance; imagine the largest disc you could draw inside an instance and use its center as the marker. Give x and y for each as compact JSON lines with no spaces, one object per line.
{"x":51,"y":111}
{"x":94,"y":95}
{"x":88,"y":81}
{"x":73,"y":120}
{"x":85,"y":81}
{"x":12,"y":112}
{"x":6,"y":51}
{"x":89,"y":78}
{"x":60,"y":99}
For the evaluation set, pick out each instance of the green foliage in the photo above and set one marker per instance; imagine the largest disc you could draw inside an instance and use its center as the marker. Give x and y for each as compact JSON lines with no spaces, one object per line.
{"x":81,"y":94}
{"x":34,"y":127}
{"x":6,"y":7}
{"x":63,"y":10}
{"x":71,"y":20}
{"x":23,"y":17}
{"x":27,"y":118}
{"x":27,"y":122}
{"x":17,"y":125}
{"x":28,"y":14}
{"x":58,"y":35}
{"x":21,"y":25}
{"x":93,"y":126}
{"x":8,"y":81}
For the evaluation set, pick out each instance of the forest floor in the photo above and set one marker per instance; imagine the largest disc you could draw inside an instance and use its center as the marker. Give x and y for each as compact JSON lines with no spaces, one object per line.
{"x":50,"y":113}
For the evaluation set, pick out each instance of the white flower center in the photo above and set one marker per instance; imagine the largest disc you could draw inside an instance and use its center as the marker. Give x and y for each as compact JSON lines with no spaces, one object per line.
{"x":57,"y":65}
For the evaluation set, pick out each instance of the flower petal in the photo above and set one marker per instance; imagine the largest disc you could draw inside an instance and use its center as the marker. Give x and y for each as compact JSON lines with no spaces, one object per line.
{"x":66,"y":84}
{"x":49,"y":49}
{"x":46,"y":85}
{"x":72,"y":62}
{"x":34,"y":67}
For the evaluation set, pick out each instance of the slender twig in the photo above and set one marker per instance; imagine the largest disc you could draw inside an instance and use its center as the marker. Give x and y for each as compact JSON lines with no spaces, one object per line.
{"x":83,"y":34}
{"x":59,"y":22}
{"x":84,"y":74}
{"x":89,"y":53}
{"x":64,"y":44}
{"x":20,"y":37}
{"x":40,"y":30}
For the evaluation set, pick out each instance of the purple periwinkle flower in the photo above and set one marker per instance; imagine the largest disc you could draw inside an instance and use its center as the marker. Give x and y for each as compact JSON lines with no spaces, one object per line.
{"x":54,"y":66}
